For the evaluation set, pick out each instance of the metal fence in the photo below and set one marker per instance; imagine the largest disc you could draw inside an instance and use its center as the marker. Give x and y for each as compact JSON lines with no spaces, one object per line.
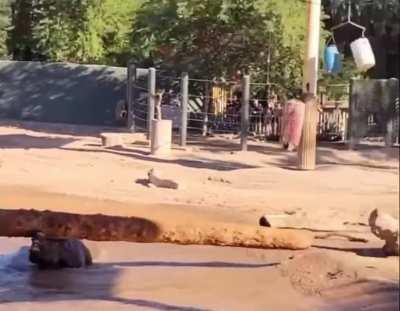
{"x":207,"y":107}
{"x":374,"y":110}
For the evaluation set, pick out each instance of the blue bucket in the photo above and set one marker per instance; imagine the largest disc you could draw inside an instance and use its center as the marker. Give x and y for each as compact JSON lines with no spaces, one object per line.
{"x":332,"y":59}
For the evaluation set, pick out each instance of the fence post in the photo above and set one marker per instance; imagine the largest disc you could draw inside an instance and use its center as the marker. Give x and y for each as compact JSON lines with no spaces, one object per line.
{"x":151,"y":87}
{"x":184,"y":107}
{"x":353,"y":141}
{"x":245,"y":112}
{"x":129,"y":98}
{"x":205,"y":109}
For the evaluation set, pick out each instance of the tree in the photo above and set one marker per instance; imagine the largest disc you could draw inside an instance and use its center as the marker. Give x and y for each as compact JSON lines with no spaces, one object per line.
{"x":20,"y":41}
{"x":363,"y":11}
{"x":5,"y":12}
{"x":56,"y":29}
{"x":115,"y":28}
{"x":94,"y":31}
{"x":336,"y":86}
{"x":379,"y":17}
{"x":213,"y":38}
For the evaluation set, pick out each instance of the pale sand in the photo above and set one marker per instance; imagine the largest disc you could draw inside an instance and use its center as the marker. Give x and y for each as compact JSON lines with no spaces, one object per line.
{"x":71,"y":172}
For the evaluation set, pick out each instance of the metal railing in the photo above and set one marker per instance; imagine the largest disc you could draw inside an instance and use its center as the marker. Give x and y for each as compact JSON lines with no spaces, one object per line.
{"x":193,"y":109}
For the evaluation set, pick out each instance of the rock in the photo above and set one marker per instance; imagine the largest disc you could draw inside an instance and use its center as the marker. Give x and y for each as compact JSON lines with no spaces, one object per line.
{"x":220,"y":179}
{"x":111,"y":139}
{"x":264,"y":222}
{"x":156,"y":180}
{"x":386,"y":228}
{"x":275,"y":221}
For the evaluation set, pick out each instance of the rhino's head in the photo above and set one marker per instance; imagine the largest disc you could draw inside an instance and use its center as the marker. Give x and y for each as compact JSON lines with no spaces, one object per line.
{"x":42,"y":251}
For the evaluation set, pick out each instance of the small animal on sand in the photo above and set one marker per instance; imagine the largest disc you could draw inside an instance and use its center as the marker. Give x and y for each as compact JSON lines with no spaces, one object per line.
{"x":56,"y":253}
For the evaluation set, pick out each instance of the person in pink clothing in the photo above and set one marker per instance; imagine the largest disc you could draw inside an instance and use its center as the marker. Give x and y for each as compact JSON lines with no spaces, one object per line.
{"x":293,"y":119}
{"x":294,"y":111}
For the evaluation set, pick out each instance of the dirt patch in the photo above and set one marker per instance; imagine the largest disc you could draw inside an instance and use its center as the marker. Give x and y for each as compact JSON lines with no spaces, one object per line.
{"x":315,"y":272}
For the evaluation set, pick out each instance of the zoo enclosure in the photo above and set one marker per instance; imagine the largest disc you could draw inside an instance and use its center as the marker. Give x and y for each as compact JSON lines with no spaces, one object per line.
{"x":239,"y":107}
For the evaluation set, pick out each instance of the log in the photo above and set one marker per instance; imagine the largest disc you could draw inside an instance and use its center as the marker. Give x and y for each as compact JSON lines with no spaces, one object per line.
{"x":22,"y":223}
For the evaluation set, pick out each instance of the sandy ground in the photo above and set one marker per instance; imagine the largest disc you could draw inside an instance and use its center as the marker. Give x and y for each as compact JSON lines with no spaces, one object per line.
{"x":65,"y":168}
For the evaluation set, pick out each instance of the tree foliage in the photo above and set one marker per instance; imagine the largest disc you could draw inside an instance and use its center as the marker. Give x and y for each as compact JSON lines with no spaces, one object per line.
{"x":5,"y":13}
{"x":205,"y":37}
{"x":368,"y":10}
{"x":212,"y":38}
{"x":336,"y":86}
{"x":95,"y":31}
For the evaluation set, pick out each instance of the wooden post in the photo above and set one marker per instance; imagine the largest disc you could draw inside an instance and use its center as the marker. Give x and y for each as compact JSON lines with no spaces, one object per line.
{"x":205,"y":109}
{"x":151,"y":86}
{"x":245,"y":112}
{"x":307,"y":148}
{"x":184,"y":107}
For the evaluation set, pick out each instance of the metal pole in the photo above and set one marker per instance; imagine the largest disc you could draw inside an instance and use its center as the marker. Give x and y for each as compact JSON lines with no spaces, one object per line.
{"x":151,"y":86}
{"x":245,"y":112}
{"x":129,"y":98}
{"x":268,"y":69}
{"x":184,"y":107}
{"x":307,"y":147}
{"x":205,"y":109}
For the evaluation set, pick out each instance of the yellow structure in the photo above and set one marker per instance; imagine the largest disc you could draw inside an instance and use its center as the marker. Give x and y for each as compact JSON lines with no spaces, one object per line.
{"x":220,"y":96}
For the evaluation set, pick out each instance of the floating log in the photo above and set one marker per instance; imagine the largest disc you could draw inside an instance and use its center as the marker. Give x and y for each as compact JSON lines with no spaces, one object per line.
{"x":98,"y":227}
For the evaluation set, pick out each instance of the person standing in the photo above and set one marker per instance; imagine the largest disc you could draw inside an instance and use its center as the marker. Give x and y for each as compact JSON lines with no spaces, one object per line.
{"x":293,"y":115}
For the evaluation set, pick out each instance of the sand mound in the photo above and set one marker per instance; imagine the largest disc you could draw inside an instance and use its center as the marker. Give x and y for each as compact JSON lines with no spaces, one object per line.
{"x":315,"y":272}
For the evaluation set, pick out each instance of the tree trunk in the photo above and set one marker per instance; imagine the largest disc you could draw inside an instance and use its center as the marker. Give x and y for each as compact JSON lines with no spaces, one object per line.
{"x":306,"y":156}
{"x":21,"y":223}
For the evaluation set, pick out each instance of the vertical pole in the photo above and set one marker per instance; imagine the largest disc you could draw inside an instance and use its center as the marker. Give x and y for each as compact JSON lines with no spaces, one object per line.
{"x":307,"y":148}
{"x":151,"y":87}
{"x":184,"y":107}
{"x":129,"y":98}
{"x":351,"y":131}
{"x":205,"y":109}
{"x":245,"y":112}
{"x":307,"y":157}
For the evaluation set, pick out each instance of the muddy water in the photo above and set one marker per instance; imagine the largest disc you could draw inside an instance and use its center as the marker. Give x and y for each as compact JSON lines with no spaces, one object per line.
{"x":132,"y":276}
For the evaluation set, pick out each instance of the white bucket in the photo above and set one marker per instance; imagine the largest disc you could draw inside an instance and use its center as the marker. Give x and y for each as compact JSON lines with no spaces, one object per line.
{"x":363,"y":54}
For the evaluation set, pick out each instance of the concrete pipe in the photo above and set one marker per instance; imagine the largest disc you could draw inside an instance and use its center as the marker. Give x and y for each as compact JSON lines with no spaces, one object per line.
{"x":161,"y":134}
